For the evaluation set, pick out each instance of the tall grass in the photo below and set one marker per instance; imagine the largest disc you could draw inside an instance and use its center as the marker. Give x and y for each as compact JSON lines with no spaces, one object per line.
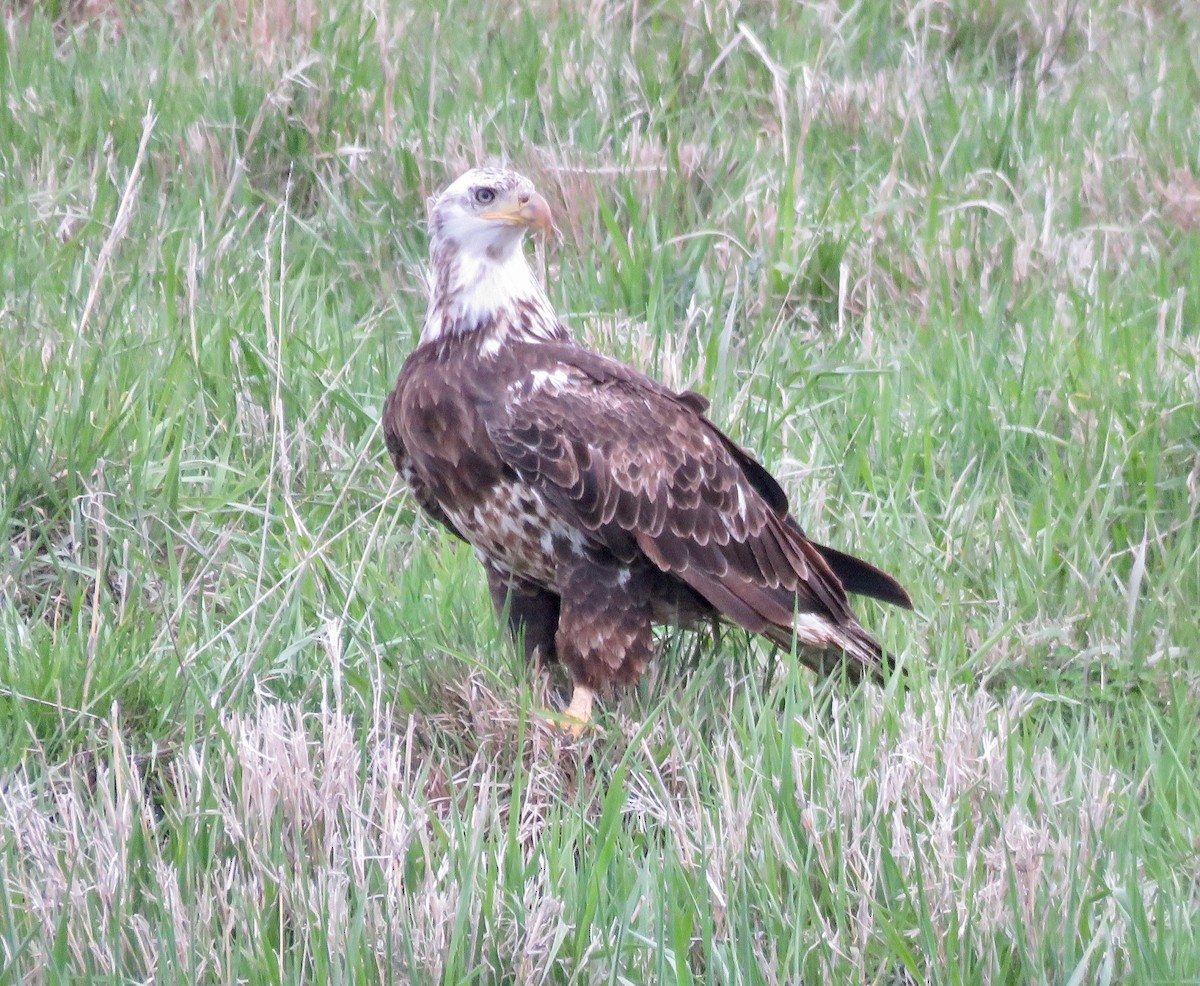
{"x":934,"y":262}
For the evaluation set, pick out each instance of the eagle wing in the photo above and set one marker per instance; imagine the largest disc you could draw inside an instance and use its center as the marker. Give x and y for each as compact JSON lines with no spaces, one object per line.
{"x":401,"y":460}
{"x":642,"y":471}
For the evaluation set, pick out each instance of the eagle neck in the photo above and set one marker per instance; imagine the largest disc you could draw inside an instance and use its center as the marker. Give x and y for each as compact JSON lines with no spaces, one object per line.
{"x":490,"y":299}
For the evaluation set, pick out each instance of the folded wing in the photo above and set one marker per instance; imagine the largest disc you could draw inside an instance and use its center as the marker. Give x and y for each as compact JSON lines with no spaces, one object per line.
{"x":643,"y":471}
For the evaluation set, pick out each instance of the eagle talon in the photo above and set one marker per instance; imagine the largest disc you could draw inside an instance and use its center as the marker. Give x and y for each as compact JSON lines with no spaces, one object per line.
{"x":577,"y":716}
{"x":573,"y":728}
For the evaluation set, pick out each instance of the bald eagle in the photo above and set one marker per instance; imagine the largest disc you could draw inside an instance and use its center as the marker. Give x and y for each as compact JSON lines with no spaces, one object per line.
{"x":599,"y":501}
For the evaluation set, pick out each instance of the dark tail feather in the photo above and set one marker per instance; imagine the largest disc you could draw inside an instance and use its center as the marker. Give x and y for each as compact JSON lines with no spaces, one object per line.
{"x":863,"y":578}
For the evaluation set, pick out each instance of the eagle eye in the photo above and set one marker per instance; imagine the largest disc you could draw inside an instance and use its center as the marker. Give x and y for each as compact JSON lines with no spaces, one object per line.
{"x":485,"y":196}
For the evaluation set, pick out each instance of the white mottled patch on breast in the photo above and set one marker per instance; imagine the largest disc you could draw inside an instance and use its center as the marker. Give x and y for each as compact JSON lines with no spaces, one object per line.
{"x":513,"y":528}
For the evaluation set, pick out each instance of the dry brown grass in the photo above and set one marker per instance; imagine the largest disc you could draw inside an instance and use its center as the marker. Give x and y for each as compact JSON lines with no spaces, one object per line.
{"x":328,"y":816}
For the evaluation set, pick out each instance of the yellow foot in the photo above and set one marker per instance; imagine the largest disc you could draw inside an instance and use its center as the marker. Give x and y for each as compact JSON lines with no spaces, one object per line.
{"x":576,"y":716}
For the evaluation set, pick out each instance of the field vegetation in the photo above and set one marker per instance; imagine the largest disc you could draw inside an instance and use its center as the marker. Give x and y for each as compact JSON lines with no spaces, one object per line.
{"x":936,"y":261}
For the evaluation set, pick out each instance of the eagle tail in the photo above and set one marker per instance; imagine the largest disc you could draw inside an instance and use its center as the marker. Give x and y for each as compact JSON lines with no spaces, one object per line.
{"x":831,"y":649}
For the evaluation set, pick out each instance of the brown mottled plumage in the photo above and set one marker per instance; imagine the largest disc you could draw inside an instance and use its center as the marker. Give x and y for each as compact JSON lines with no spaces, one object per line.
{"x":599,"y":501}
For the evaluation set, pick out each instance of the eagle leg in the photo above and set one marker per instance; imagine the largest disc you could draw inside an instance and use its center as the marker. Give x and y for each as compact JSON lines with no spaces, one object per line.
{"x":532,"y":612}
{"x":604,"y":630}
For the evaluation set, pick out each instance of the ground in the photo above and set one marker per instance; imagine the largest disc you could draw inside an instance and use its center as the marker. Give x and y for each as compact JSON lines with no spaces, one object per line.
{"x":936,"y":262}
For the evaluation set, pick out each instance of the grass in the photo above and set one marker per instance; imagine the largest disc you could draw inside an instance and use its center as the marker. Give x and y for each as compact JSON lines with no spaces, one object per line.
{"x":936,"y":263}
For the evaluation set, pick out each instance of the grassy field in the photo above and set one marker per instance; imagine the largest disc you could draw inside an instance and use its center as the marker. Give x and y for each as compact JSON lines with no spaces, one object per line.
{"x":938,"y":262}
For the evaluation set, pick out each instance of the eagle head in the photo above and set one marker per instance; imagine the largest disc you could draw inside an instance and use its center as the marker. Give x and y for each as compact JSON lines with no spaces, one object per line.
{"x":487,"y":212}
{"x":482,"y":285}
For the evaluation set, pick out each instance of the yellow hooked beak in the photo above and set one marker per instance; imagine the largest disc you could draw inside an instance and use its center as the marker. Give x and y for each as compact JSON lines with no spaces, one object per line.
{"x":529,"y":210}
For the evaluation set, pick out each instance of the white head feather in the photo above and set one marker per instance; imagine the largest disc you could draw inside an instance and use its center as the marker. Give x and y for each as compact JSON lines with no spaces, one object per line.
{"x":481,"y":281}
